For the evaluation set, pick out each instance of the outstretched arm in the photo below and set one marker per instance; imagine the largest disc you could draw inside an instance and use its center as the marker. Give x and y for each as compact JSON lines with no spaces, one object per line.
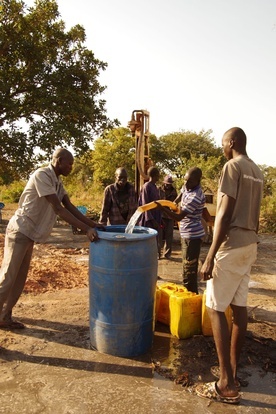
{"x":178,"y":198}
{"x":171,"y":214}
{"x":69,"y":213}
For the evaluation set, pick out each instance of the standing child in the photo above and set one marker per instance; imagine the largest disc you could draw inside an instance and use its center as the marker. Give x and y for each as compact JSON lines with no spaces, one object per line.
{"x":191,"y":228}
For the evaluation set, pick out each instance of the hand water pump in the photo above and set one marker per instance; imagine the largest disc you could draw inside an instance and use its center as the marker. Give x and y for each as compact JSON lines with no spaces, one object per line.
{"x":139,"y":127}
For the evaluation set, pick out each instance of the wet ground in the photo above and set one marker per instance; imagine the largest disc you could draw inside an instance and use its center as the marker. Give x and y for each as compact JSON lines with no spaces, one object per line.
{"x":50,"y":368}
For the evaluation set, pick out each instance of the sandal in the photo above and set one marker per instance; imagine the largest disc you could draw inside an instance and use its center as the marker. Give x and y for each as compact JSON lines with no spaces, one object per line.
{"x":215,"y":371}
{"x":210,"y":391}
{"x":11,"y":325}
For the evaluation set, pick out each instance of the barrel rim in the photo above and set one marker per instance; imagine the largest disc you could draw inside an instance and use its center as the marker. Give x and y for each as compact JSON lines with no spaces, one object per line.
{"x":116,"y":232}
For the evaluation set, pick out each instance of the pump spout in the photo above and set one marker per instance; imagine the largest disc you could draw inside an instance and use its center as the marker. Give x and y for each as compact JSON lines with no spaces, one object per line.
{"x":164,"y":203}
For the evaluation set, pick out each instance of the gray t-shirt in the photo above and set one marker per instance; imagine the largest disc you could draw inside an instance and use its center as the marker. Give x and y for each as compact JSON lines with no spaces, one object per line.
{"x":35,"y":217}
{"x":242,"y":180}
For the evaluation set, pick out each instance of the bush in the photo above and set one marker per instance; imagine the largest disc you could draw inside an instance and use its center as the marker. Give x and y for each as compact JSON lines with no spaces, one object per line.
{"x":12,"y":192}
{"x":268,"y":215}
{"x":89,"y":196}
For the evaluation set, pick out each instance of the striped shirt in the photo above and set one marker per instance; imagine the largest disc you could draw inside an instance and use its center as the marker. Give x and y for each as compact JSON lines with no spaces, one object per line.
{"x":192,"y":202}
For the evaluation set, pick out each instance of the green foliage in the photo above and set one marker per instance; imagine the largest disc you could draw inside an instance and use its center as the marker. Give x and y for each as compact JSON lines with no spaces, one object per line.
{"x":269,"y":180}
{"x":82,"y":172}
{"x":115,"y":148}
{"x":178,"y":151}
{"x":81,"y":187}
{"x":268,"y":209}
{"x":268,"y":215}
{"x":12,"y":193}
{"x":49,"y":89}
{"x":95,"y":169}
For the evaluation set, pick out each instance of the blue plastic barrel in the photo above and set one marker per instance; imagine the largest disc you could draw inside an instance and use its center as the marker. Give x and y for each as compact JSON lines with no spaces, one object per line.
{"x":122,"y":283}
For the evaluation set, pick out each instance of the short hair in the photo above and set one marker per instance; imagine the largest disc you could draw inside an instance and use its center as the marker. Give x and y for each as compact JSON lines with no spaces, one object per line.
{"x":120,"y":170}
{"x":62,"y":153}
{"x":153,"y":171}
{"x":238,"y":135}
{"x":196,"y":172}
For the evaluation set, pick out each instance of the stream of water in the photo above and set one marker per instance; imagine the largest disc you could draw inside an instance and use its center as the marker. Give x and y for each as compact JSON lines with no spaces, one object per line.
{"x":141,"y":209}
{"x":133,"y":220}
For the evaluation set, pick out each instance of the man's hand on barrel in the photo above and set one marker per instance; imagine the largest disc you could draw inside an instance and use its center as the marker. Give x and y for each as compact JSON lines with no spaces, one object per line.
{"x":92,"y":234}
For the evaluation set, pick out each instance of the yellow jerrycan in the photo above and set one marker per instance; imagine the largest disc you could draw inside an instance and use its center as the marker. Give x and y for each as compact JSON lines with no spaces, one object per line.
{"x":185,"y":311}
{"x":167,"y":289}
{"x":206,"y":322}
{"x":157,"y":302}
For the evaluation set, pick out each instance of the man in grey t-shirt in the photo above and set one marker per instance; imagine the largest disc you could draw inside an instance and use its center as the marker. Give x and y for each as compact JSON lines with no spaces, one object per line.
{"x":43,"y":199}
{"x":228,"y":263}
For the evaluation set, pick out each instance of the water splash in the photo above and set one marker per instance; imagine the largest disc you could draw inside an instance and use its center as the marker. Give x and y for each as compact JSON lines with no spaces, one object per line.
{"x":133,"y":220}
{"x":141,"y":209}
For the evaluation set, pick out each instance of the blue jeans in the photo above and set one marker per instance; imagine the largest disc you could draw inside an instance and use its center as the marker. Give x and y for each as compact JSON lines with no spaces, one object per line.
{"x":190,"y":256}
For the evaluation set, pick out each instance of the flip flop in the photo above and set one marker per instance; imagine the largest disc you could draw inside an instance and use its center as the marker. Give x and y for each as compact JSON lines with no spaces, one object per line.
{"x":209,"y":391}
{"x":11,"y":325}
{"x":215,"y":371}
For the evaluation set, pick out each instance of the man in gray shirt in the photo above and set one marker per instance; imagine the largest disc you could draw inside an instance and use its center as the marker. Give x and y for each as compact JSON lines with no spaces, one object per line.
{"x":43,"y":199}
{"x":228,"y":263}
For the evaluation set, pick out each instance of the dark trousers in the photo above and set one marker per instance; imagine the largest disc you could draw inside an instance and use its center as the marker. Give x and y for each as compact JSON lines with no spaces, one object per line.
{"x":158,"y":238}
{"x":190,"y":256}
{"x":166,"y":236}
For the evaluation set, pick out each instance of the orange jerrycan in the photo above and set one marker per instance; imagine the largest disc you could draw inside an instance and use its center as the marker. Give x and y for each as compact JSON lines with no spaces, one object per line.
{"x":206,"y":322}
{"x":167,"y":289}
{"x":185,"y":309}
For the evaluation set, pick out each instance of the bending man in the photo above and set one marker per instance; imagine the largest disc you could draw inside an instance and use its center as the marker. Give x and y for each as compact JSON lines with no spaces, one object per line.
{"x":43,"y":199}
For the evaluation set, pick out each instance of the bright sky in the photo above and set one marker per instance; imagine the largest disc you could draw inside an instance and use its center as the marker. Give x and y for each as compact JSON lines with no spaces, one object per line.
{"x":193,"y":64}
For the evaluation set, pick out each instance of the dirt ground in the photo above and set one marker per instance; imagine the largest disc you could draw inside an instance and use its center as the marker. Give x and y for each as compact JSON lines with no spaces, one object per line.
{"x":61,"y":265}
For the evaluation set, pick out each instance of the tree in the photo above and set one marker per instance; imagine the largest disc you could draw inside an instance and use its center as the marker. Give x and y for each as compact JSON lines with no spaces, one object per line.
{"x":176,"y":152}
{"x":115,"y":148}
{"x":172,"y":154}
{"x":268,"y":209}
{"x":176,"y":148}
{"x":49,"y":88}
{"x":269,"y":180}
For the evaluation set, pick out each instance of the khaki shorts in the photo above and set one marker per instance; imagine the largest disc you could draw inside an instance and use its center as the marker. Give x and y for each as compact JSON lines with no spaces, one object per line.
{"x":231,"y":276}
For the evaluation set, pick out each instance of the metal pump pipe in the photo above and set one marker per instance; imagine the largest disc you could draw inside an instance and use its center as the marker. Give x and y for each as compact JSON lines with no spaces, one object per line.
{"x":139,"y":126}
